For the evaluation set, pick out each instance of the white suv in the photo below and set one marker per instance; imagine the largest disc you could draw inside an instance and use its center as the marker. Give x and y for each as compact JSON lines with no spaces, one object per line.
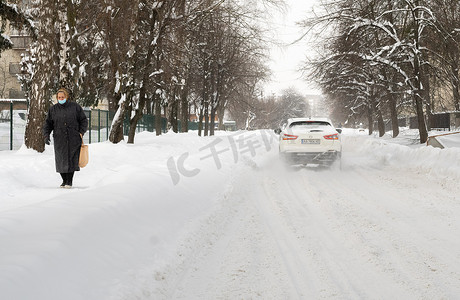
{"x":310,"y":140}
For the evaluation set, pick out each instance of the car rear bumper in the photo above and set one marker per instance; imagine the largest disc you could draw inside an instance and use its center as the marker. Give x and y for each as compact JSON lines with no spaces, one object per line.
{"x":324,"y":146}
{"x":327,"y":157}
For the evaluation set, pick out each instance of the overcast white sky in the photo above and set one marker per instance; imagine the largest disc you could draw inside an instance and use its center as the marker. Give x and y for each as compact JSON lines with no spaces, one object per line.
{"x":286,"y":59}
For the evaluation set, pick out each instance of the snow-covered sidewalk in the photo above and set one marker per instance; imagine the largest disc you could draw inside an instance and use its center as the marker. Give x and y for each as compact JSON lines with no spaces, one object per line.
{"x":184,"y":217}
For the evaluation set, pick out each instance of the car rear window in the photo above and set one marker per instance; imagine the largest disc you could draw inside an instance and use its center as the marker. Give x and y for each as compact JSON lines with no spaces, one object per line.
{"x":309,"y":123}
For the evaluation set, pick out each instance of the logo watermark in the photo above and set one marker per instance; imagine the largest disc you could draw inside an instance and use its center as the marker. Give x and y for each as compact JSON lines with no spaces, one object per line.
{"x":238,"y":144}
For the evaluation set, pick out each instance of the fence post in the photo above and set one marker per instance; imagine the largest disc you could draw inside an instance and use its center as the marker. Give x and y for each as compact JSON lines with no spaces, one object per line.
{"x":89,"y":126}
{"x":11,"y":125}
{"x":98,"y":125}
{"x":107,"y":124}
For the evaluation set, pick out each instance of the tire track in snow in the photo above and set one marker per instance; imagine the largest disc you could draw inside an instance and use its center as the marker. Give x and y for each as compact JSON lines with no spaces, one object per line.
{"x":232,"y":255}
{"x":319,"y":241}
{"x":389,"y":227}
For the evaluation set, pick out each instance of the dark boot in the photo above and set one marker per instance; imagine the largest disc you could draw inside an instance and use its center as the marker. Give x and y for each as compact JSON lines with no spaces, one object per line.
{"x":69,"y":177}
{"x":64,"y":180}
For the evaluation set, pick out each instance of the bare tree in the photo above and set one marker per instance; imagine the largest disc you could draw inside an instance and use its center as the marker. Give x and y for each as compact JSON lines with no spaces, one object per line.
{"x":448,"y":60}
{"x":392,"y":36}
{"x":44,"y":81}
{"x":142,"y":56}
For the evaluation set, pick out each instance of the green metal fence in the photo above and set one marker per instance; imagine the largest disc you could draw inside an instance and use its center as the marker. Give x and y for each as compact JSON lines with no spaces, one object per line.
{"x":146,"y":123}
{"x":13,"y":121}
{"x":98,"y":126}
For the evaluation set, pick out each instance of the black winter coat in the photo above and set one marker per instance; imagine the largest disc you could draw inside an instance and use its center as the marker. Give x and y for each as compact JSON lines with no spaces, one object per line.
{"x":67,"y":121}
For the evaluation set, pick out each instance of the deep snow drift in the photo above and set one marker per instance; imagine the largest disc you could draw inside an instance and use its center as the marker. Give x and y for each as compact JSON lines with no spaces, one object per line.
{"x":185,"y":217}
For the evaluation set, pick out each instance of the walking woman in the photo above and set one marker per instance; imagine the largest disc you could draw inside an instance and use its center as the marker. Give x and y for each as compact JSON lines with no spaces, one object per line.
{"x":68,"y":122}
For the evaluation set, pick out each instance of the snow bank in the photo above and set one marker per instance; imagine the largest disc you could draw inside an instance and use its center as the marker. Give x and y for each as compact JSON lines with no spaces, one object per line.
{"x":403,"y":152}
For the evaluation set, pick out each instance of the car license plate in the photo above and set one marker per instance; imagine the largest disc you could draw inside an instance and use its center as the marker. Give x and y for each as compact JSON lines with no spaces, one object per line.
{"x":310,"y":141}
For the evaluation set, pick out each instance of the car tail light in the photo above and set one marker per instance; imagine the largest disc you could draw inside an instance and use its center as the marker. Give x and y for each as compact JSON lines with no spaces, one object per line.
{"x":289,"y":137}
{"x":334,"y":136}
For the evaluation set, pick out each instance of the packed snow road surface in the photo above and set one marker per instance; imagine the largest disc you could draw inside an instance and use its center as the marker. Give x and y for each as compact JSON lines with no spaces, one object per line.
{"x":238,"y":225}
{"x":363,"y":233}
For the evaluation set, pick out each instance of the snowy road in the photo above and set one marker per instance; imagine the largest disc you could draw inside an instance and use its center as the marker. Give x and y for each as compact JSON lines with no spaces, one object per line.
{"x":367,"y":232}
{"x":385,"y":226}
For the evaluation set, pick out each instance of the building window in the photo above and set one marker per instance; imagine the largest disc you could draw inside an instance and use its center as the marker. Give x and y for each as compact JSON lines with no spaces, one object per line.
{"x":15,"y":68}
{"x":21,"y":42}
{"x":15,"y":94}
{"x":18,"y":32}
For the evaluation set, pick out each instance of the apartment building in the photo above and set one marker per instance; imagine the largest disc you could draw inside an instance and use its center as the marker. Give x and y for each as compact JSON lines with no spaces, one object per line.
{"x":10,"y":60}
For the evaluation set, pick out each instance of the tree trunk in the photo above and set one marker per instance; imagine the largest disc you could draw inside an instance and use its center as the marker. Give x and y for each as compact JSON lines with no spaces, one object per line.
{"x":183,"y":92}
{"x":137,"y":115}
{"x":381,"y":122}
{"x":149,"y":106}
{"x":39,"y":105}
{"x":220,"y":115}
{"x":426,"y":92}
{"x":421,"y":119}
{"x":419,"y":103}
{"x":43,"y":81}
{"x":113,"y":95}
{"x":132,"y":126}
{"x":64,"y":72}
{"x":125,"y":77}
{"x":173,"y":120}
{"x":116,"y":131}
{"x":185,"y":116}
{"x":166,"y":115}
{"x":370,"y":119}
{"x":145,"y":82}
{"x":215,"y":79}
{"x":66,"y":10}
{"x":213,"y":116}
{"x":138,"y":112}
{"x":200,"y":122}
{"x":455,"y":86}
{"x":418,"y":75}
{"x":394,"y":115}
{"x":206,"y":119}
{"x":157,"y":104}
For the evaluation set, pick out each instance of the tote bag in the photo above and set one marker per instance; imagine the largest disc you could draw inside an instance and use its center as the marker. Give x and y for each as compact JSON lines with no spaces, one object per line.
{"x":84,"y":154}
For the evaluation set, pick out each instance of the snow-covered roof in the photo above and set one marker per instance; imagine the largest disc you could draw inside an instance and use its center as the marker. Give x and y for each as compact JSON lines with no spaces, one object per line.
{"x":13,"y":100}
